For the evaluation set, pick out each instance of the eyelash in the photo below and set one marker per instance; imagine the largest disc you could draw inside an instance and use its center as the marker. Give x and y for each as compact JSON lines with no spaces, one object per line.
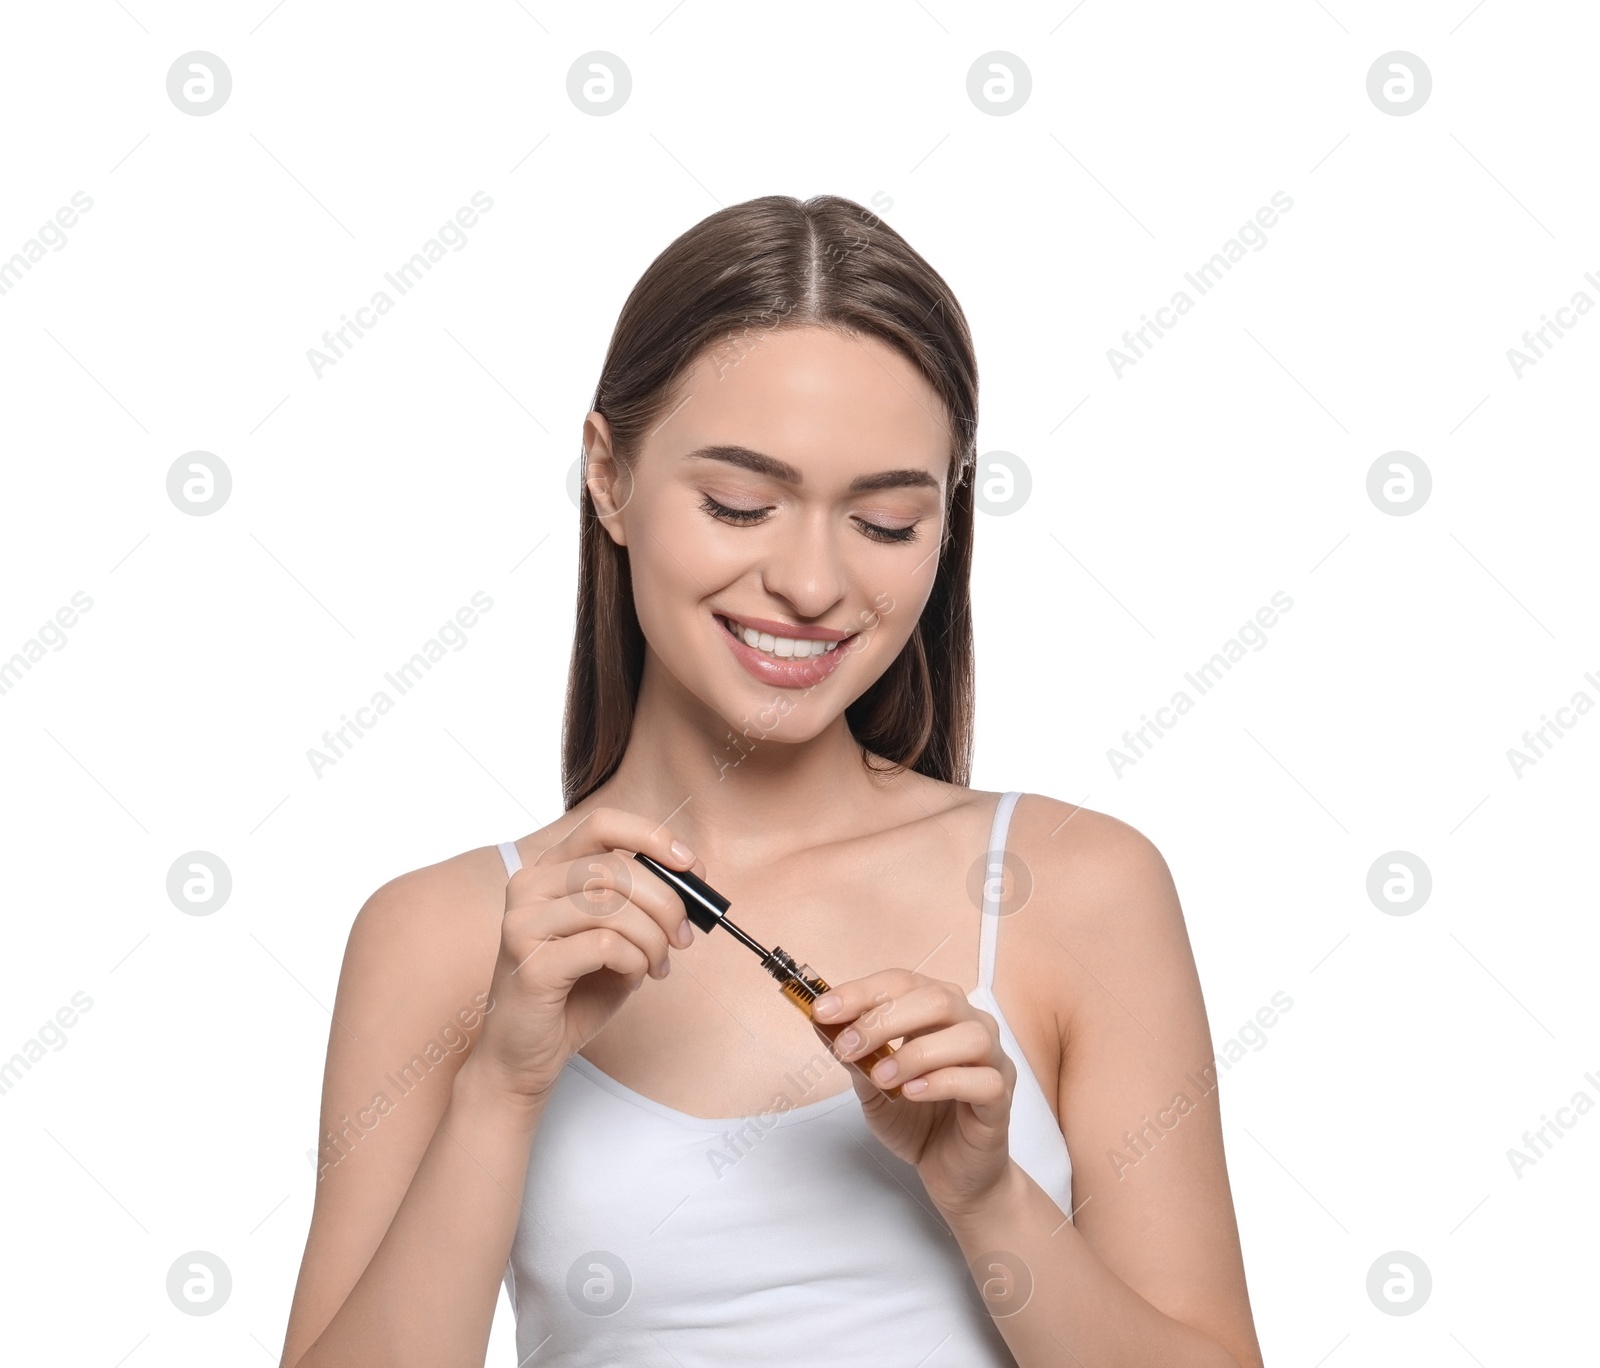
{"x":749,"y":516}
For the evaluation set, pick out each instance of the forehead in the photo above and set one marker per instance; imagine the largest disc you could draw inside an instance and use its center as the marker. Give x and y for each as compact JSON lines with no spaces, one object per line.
{"x":816,"y":397}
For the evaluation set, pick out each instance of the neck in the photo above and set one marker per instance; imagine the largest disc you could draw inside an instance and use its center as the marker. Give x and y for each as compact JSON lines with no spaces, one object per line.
{"x":739,"y":796}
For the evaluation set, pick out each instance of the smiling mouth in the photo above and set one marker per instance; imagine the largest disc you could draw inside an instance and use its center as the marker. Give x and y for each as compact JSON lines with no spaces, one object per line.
{"x":780,"y":647}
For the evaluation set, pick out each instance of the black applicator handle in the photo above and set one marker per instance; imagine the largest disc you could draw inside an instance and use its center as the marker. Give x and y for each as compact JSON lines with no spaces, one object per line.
{"x":706,"y":907}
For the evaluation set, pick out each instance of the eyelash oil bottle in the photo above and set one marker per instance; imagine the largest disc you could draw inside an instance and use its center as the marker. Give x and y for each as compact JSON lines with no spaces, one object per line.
{"x":803,"y":986}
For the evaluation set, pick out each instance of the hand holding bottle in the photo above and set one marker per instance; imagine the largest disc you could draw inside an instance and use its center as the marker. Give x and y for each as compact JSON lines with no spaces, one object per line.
{"x":952,"y":1115}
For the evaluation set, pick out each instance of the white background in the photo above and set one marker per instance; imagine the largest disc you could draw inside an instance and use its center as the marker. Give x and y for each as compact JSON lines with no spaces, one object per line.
{"x":369,"y":504}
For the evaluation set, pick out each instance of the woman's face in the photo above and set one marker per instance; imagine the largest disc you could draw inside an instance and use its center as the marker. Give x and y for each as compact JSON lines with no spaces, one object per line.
{"x":792,"y":494}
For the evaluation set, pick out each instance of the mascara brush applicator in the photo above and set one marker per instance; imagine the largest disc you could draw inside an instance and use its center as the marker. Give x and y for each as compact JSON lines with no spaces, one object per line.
{"x":799,"y":983}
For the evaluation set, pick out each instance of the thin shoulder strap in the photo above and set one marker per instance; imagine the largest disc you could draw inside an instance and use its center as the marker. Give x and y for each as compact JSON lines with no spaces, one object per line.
{"x":508,"y":853}
{"x":994,"y":888}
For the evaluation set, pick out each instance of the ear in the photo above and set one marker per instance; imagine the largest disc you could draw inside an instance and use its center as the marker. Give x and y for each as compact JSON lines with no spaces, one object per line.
{"x":609,"y":483}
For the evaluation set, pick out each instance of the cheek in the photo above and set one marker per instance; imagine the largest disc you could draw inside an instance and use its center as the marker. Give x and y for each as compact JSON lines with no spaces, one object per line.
{"x":674,"y":565}
{"x":671,"y":533}
{"x":894,"y":597}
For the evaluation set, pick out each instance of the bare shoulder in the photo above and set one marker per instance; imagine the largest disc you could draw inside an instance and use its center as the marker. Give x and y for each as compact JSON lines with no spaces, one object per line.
{"x":1100,"y":896}
{"x":1100,"y":873}
{"x":425,"y":935}
{"x":411,"y":1002}
{"x":441,"y":906}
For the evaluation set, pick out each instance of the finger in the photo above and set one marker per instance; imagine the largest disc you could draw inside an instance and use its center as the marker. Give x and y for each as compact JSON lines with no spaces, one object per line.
{"x":966,"y":1044}
{"x":605,"y":882}
{"x":925,"y":1006}
{"x":563,"y":960}
{"x":983,"y":1088}
{"x":858,"y":996}
{"x":611,"y":828}
{"x":563,"y":918}
{"x":664,"y":901}
{"x":605,"y":830}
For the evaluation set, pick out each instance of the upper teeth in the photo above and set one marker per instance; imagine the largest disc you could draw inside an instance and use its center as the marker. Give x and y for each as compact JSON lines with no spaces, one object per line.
{"x":799,"y":647}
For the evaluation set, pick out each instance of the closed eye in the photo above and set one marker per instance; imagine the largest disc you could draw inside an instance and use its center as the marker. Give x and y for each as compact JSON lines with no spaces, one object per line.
{"x":740,"y":515}
{"x":746,"y":517}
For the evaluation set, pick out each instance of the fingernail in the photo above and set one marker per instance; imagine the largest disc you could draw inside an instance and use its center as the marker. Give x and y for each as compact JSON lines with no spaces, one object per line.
{"x":826,"y":1005}
{"x":684,"y":935}
{"x":886,"y":1071}
{"x":848,"y":1042}
{"x":682,"y":853}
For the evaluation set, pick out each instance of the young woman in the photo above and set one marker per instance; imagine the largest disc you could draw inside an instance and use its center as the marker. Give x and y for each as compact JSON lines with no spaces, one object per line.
{"x":771,"y":685}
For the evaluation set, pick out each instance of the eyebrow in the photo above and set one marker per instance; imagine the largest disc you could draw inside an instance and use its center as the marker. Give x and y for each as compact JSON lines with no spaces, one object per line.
{"x":762,"y":464}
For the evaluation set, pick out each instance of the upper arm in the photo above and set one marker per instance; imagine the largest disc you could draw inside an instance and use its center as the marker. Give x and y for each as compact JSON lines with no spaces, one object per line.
{"x":410,"y":1004}
{"x":1137,"y":1094}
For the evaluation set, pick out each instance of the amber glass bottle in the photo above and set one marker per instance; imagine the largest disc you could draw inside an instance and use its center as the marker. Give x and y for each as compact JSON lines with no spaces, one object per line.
{"x":803,"y":986}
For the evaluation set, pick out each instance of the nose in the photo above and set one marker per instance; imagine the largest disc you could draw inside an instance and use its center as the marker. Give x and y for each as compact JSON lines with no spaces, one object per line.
{"x":804,"y":568}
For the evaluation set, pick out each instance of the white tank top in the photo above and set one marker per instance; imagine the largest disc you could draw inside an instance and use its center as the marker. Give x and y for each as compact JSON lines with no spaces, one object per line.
{"x":652,"y":1237}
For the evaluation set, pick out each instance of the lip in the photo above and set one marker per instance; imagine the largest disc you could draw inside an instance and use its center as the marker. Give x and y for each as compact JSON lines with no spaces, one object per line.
{"x":783,"y":674}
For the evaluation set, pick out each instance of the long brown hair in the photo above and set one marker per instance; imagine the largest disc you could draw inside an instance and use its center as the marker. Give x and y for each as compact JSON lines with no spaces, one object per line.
{"x":770,"y":263}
